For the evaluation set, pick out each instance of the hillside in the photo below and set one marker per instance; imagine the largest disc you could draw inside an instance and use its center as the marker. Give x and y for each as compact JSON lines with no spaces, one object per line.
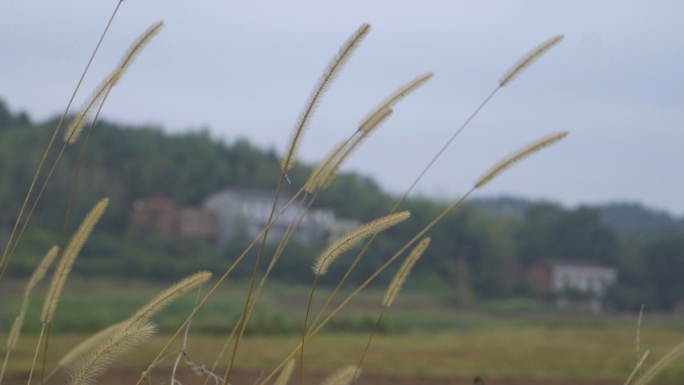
{"x":484,"y":249}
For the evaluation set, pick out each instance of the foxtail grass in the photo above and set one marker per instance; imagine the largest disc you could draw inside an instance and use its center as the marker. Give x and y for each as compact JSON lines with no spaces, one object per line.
{"x":336,"y":64}
{"x":335,"y":249}
{"x":528,"y":59}
{"x":77,"y":124}
{"x":334,"y":67}
{"x":519,"y":155}
{"x":103,"y":355}
{"x":434,"y":159}
{"x":343,"y":376}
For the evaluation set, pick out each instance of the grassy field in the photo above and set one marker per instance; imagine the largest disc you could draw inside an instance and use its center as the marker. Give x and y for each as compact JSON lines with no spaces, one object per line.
{"x":423,"y":336}
{"x":535,"y":353}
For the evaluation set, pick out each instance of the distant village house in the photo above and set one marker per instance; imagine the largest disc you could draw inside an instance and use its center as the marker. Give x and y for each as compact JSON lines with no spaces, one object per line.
{"x":237,"y":212}
{"x":164,"y":216}
{"x":574,"y":284}
{"x":246,"y":212}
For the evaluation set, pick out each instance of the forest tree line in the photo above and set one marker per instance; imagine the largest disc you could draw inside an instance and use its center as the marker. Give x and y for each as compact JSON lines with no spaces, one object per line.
{"x":480,"y":252}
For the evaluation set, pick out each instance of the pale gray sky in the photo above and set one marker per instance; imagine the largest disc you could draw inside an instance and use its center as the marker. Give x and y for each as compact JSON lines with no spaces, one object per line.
{"x":245,"y":69}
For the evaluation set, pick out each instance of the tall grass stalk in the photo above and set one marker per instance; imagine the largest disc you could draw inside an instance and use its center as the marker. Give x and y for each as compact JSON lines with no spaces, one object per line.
{"x":4,"y":261}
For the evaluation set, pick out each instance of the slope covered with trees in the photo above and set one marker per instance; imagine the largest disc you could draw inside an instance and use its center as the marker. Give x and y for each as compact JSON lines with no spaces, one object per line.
{"x":481,"y":250}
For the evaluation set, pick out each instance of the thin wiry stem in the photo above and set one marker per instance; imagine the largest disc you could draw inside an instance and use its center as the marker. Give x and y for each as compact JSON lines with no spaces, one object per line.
{"x":243,"y":318}
{"x":216,"y":285}
{"x":289,"y":232}
{"x":370,"y":339}
{"x":35,"y":356}
{"x":329,"y":74}
{"x":306,"y":319}
{"x":5,"y":258}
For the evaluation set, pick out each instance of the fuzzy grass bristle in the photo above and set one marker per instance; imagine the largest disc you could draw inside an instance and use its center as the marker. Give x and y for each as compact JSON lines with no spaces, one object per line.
{"x":344,"y":376}
{"x":396,"y":96}
{"x":139,"y":44}
{"x":529,"y":58}
{"x":169,"y":295}
{"x":75,"y":127}
{"x":519,"y":155}
{"x":103,"y":355}
{"x":403,"y":272}
{"x":350,"y":239}
{"x":334,"y":67}
{"x":69,"y":257}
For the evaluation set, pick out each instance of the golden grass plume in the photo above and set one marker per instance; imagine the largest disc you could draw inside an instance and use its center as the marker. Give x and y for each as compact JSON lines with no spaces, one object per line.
{"x":89,"y":343}
{"x":403,"y":272}
{"x":321,"y":171}
{"x":519,"y":155}
{"x":343,"y":376}
{"x":396,"y":96}
{"x":529,"y":58}
{"x":365,"y":131}
{"x":98,"y":360}
{"x":139,"y":44}
{"x":69,"y":257}
{"x":169,"y":295}
{"x":350,"y":239}
{"x":75,"y":127}
{"x":338,"y":61}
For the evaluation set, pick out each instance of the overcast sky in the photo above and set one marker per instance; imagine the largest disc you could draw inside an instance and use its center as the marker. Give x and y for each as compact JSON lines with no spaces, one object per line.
{"x":245,"y":69}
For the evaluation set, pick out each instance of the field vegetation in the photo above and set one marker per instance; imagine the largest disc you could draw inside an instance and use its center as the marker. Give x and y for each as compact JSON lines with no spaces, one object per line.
{"x":232,"y":326}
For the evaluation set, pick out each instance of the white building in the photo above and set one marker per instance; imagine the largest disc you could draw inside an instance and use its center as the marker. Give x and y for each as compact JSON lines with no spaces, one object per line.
{"x":246,"y":212}
{"x":568,"y":280}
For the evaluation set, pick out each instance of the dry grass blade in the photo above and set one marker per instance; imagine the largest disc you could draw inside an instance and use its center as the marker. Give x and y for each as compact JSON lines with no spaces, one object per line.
{"x":343,"y":376}
{"x":103,"y":355}
{"x":286,"y":373}
{"x":324,"y":82}
{"x":403,"y":272}
{"x":139,"y":44}
{"x":521,"y":154}
{"x":68,"y":257}
{"x":347,"y":241}
{"x":396,"y":96}
{"x":169,"y":295}
{"x":528,"y":59}
{"x":77,"y":124}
